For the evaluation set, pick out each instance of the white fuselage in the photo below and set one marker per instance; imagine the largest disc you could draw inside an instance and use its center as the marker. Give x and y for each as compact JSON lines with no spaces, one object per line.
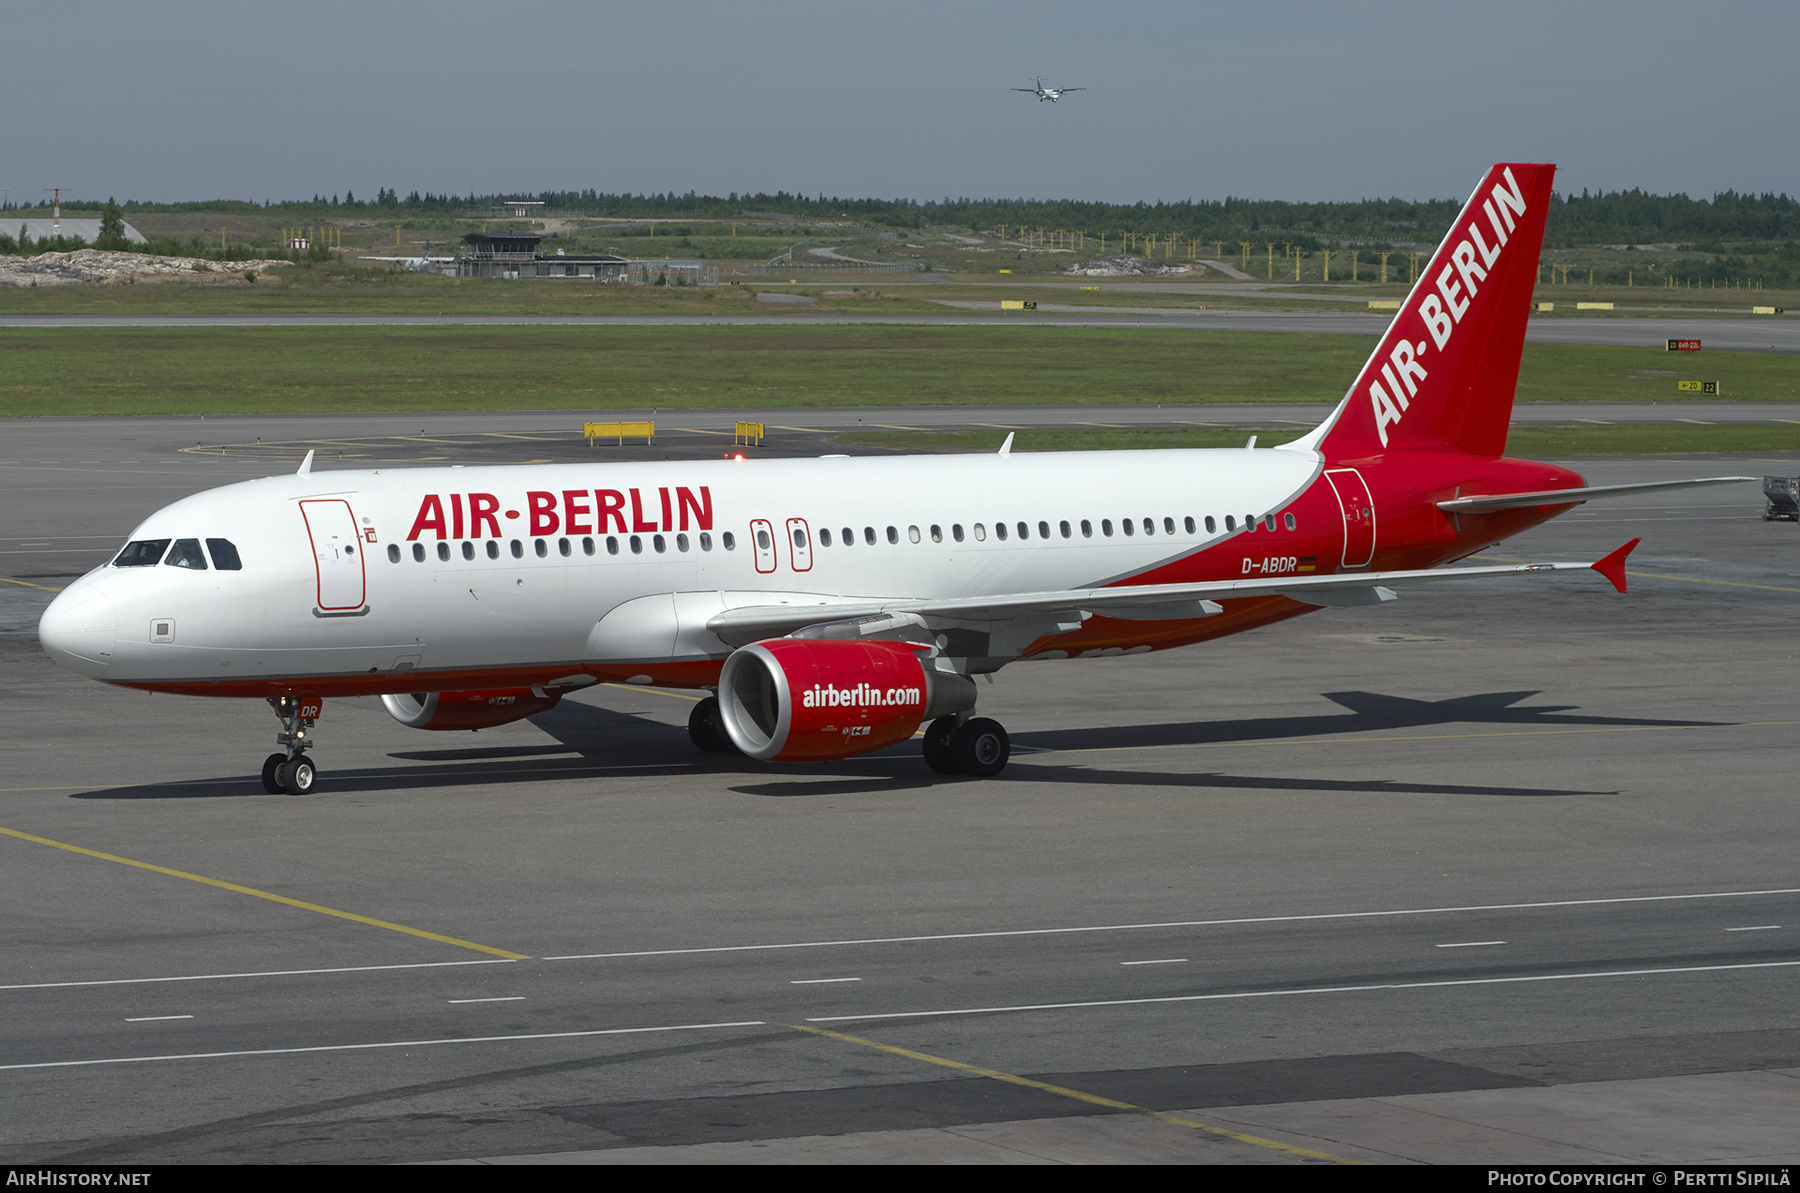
{"x":561,"y":567}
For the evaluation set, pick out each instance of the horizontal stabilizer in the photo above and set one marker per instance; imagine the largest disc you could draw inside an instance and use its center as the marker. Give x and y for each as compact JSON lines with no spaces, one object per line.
{"x":1508,"y":501}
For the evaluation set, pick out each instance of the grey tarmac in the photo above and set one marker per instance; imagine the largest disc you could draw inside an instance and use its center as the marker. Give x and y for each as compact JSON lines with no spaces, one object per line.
{"x":1501,"y":874}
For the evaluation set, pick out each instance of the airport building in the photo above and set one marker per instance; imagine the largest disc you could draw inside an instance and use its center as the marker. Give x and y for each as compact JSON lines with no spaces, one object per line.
{"x":518,"y":255}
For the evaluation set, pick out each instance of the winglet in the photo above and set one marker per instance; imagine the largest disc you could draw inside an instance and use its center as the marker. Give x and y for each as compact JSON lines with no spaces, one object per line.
{"x":305,"y":468}
{"x":1006,"y":448}
{"x":1613,"y":566}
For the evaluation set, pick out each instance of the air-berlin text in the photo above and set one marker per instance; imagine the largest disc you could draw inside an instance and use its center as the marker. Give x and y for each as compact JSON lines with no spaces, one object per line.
{"x":1470,"y":261}
{"x":566,"y":511}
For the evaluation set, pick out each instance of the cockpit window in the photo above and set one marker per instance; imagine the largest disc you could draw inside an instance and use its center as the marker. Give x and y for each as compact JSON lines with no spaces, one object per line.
{"x":142,"y":554}
{"x":186,"y":554}
{"x":225,"y":556}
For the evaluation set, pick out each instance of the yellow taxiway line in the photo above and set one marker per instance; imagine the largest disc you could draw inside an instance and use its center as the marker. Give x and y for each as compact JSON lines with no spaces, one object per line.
{"x":273,"y":898}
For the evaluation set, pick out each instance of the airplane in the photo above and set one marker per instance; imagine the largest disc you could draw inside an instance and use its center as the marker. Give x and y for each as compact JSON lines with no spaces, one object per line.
{"x":1048,"y":93}
{"x":423,"y":263}
{"x":836,"y":606}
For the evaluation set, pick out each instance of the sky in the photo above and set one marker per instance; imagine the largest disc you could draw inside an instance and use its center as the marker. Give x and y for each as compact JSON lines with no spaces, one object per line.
{"x":197,"y":99}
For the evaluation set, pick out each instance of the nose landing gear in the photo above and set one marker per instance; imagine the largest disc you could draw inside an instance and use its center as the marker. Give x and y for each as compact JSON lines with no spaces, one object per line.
{"x":292,"y":772}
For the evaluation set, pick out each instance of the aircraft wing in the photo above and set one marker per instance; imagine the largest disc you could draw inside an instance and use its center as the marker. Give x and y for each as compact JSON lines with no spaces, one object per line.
{"x":747,"y":624}
{"x":1506,"y":501}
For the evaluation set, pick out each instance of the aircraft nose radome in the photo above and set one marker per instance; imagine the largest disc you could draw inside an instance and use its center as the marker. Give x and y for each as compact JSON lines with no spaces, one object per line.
{"x":80,"y":628}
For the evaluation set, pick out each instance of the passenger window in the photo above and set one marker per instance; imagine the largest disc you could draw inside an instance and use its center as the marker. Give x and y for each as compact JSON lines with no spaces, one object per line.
{"x":1230,"y":523}
{"x":937,"y":534}
{"x":1127,"y":527}
{"x":1043,"y":530}
{"x":849,"y":537}
{"x":1169,"y":525}
{"x":1000,"y":531}
{"x":1064,"y":527}
{"x":980,"y":533}
{"x":394,"y":551}
{"x":956,"y":531}
{"x":1189,"y":523}
{"x":799,"y":539}
{"x":1106,"y":527}
{"x":681,"y":543}
{"x":912,"y":532}
{"x":727,"y":540}
{"x":762,"y":540}
{"x":869,"y":535}
{"x":225,"y":555}
{"x":1211,"y":526}
{"x":824,"y":536}
{"x":493,"y":548}
{"x":705,"y":541}
{"x":1287,"y":520}
{"x":1024,"y":530}
{"x":444,"y":552}
{"x":563,"y":548}
{"x":186,"y":554}
{"x":1149,"y":525}
{"x":541,"y":547}
{"x":1268,"y":521}
{"x":893,"y":536}
{"x":660,"y":543}
{"x":518,"y":549}
{"x":1087,"y":529}
{"x":418,"y":553}
{"x":637,"y":544}
{"x":468,"y":550}
{"x":612,"y":544}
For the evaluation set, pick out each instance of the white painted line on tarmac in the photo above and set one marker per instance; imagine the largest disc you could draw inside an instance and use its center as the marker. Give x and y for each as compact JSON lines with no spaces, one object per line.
{"x":1159,"y":961}
{"x":1471,"y":944}
{"x":266,"y":973}
{"x":156,"y":1018}
{"x":507,"y":998}
{"x":1755,"y":928}
{"x":1267,"y":919}
{"x":1380,"y":986}
{"x":820,"y":981}
{"x":552,"y":1035}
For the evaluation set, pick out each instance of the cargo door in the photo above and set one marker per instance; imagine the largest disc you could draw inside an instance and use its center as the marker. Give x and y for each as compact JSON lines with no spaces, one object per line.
{"x":337,"y":553}
{"x":1359,"y":516}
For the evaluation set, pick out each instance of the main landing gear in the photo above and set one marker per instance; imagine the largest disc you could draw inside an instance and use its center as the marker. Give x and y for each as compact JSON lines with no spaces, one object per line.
{"x":706,"y":729}
{"x":292,"y":772}
{"x":965,"y":745}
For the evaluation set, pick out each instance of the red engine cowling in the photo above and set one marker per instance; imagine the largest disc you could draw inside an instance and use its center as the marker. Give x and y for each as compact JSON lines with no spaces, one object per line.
{"x":813,"y":700}
{"x":469,"y":710}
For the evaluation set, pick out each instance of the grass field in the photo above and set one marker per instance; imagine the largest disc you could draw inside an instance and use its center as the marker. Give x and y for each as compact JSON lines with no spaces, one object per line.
{"x":117,"y":371}
{"x":1528,"y":442}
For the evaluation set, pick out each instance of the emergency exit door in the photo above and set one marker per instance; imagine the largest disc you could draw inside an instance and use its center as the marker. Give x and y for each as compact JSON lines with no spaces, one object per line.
{"x":1359,"y":516}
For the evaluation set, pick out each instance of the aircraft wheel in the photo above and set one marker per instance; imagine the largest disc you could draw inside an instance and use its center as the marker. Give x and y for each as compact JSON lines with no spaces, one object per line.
{"x":271,"y":781}
{"x":297,"y":777}
{"x":981,"y":748}
{"x":939,"y":755}
{"x":706,"y":729}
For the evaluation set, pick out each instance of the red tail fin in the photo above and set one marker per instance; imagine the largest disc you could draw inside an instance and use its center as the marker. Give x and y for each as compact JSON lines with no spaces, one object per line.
{"x":1444,"y":374}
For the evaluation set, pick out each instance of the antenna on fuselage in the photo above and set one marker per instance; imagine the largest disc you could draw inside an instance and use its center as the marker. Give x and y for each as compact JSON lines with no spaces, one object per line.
{"x":305,"y":468}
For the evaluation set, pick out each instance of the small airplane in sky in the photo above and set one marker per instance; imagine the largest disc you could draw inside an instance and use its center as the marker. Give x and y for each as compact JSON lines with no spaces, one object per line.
{"x":1048,"y":93}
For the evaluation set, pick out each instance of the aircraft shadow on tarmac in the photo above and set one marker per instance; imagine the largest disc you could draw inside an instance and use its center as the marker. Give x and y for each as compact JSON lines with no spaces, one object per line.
{"x":592,"y":742}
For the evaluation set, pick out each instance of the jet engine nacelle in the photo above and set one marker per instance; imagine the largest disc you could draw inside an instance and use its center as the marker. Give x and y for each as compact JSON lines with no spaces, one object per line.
{"x":469,"y":710}
{"x":813,"y":700}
